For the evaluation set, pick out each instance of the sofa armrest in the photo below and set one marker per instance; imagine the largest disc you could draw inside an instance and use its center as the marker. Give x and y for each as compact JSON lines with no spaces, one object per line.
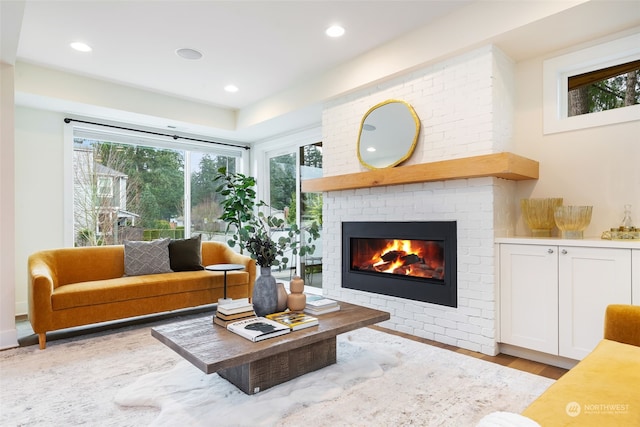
{"x":220,"y":253}
{"x":41,"y":283}
{"x":622,"y":324}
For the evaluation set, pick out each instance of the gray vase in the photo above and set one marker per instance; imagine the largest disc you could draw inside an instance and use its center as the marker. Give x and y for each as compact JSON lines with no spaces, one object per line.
{"x":265,"y":293}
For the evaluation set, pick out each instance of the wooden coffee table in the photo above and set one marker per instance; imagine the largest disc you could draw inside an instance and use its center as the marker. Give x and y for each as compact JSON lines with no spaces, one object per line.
{"x":253,"y":367}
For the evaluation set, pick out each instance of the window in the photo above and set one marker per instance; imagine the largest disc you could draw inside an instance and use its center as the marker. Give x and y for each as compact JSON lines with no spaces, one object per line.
{"x":604,"y":89}
{"x":136,"y":188}
{"x":205,"y":202}
{"x":287,"y":167}
{"x":592,"y":87}
{"x":105,"y":186}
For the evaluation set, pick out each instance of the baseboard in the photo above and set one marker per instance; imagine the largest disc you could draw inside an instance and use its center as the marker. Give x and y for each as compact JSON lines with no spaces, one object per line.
{"x":21,"y":308}
{"x":537,"y":356}
{"x":8,"y":339}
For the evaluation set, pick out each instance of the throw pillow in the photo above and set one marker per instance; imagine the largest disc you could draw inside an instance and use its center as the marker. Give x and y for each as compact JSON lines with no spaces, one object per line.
{"x":186,"y":254}
{"x":146,"y":257}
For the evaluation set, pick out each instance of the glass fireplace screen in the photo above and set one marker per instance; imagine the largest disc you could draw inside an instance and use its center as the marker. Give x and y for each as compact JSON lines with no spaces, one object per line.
{"x":415,"y":258}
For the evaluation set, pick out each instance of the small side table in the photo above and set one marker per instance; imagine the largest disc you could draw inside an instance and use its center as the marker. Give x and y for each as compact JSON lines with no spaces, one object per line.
{"x":225,"y":268}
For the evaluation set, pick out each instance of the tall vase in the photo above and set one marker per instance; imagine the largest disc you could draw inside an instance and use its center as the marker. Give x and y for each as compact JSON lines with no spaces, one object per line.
{"x":265,"y":293}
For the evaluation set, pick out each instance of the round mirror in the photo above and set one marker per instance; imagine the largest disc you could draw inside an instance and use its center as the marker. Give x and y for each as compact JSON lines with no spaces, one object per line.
{"x":388,"y":134}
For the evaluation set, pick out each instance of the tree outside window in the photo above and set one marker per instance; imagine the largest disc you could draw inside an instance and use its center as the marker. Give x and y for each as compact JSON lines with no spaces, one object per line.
{"x":604,"y":89}
{"x":126,"y":191}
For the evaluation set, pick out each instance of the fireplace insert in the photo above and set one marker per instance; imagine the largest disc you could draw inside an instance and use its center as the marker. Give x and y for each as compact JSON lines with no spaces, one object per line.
{"x":412,"y":260}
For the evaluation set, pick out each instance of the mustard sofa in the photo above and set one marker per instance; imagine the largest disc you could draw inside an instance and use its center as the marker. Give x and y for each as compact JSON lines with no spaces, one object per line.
{"x":71,"y":287}
{"x":603,"y":389}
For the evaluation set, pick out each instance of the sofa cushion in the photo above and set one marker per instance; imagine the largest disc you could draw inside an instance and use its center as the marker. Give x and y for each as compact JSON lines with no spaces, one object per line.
{"x":186,"y":254}
{"x":141,"y":287}
{"x":601,"y":390}
{"x":146,"y":257}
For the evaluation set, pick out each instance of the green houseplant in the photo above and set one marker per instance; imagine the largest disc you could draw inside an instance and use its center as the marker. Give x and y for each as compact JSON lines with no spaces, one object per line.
{"x":255,"y":232}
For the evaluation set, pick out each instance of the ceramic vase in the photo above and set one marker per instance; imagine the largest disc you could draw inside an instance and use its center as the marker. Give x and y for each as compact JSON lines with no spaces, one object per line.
{"x":265,"y":293}
{"x":282,"y":297}
{"x":297,"y":300}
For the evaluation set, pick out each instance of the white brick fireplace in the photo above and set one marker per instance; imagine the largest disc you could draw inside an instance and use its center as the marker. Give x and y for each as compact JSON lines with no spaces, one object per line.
{"x":465,"y":107}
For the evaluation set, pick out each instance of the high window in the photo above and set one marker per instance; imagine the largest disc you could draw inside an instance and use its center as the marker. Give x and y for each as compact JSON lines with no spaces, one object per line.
{"x":595,"y":86}
{"x":130,"y":187}
{"x":604,"y":89}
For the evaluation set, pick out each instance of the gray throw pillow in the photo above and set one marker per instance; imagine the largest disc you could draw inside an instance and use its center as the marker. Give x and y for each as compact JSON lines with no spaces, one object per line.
{"x":146,"y":257}
{"x":186,"y":254}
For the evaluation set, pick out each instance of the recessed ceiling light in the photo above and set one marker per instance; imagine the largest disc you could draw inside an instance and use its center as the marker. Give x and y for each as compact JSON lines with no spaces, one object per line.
{"x":231,"y":88}
{"x":335,"y":31}
{"x":80,"y":47}
{"x":188,"y":53}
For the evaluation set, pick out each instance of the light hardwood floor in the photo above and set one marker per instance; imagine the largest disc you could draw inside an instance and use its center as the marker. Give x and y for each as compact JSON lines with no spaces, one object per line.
{"x":525,"y":365}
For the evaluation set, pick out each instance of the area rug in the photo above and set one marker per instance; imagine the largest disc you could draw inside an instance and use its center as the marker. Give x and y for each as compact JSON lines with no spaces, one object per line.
{"x":127,"y":378}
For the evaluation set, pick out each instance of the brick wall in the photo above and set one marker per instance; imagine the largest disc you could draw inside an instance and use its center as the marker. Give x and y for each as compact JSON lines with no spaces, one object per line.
{"x":465,"y":108}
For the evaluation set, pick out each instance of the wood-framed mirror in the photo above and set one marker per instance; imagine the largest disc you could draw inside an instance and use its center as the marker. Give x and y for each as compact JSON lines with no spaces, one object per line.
{"x":388,"y":134}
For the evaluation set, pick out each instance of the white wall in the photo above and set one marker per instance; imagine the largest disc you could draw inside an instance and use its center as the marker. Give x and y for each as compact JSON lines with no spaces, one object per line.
{"x":597,"y":166}
{"x":8,"y":336}
{"x":39,"y":184}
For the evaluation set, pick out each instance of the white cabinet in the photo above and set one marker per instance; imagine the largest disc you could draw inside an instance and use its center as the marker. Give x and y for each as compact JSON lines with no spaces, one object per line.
{"x":589,"y":279}
{"x":529,"y":297}
{"x":553,"y":296}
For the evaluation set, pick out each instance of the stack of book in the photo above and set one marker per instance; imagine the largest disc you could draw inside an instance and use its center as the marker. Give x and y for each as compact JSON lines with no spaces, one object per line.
{"x":317,"y":304}
{"x":258,"y":328}
{"x":239,"y":309}
{"x":295,"y":320}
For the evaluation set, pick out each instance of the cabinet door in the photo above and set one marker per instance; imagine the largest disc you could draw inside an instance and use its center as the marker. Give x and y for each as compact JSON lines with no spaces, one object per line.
{"x":589,"y":279}
{"x":529,"y":297}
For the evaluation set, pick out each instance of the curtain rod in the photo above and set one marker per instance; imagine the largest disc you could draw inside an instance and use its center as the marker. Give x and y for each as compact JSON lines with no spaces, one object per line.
{"x":175,"y":137}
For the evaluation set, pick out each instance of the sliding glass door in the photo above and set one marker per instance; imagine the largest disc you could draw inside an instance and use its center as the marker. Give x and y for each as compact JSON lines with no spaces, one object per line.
{"x":286,"y":171}
{"x":311,"y":211}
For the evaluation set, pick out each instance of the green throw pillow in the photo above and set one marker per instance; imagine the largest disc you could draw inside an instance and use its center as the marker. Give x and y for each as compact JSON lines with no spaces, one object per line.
{"x":186,"y":254}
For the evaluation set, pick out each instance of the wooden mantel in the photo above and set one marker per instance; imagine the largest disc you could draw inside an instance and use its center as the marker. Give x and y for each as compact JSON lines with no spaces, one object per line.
{"x":499,"y":165}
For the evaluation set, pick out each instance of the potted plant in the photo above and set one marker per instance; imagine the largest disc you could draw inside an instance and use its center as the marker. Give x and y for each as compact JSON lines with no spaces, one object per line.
{"x":254,"y":232}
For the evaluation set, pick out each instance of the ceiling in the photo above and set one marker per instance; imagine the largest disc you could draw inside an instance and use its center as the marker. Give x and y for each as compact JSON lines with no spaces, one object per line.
{"x":268,"y":48}
{"x":263,"y":47}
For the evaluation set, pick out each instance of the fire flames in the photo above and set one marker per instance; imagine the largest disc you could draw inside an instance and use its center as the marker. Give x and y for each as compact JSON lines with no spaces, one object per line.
{"x":401,"y":257}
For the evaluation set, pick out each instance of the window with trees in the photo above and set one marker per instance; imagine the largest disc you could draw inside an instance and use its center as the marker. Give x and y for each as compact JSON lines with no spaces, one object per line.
{"x":139,"y":191}
{"x":595,"y":86}
{"x":288,"y":167}
{"x":604,"y":89}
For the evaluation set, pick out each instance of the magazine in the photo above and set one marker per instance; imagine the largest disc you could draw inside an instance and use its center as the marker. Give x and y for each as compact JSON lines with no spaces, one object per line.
{"x":294,"y":319}
{"x":258,"y":328}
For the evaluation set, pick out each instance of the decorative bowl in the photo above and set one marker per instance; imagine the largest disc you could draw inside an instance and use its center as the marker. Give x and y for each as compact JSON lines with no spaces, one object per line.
{"x":538,"y":214}
{"x":572,"y":220}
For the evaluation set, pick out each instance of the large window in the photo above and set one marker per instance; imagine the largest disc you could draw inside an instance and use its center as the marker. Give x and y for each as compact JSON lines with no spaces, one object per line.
{"x":141,"y":189}
{"x":205,"y":202}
